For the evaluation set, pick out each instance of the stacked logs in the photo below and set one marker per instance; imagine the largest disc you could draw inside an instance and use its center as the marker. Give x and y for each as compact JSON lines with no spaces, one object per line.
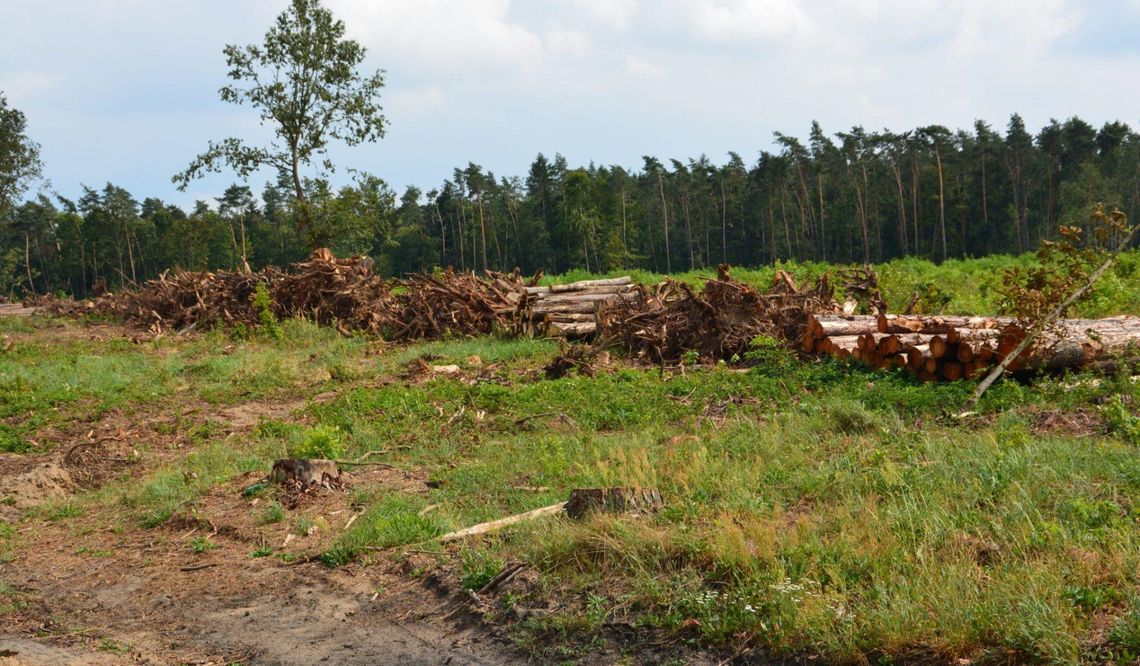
{"x":952,"y":348}
{"x":571,"y":310}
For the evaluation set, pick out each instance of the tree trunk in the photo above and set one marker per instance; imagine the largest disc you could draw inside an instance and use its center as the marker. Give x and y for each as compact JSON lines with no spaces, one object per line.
{"x":28,"y":261}
{"x":941,"y":200}
{"x":482,"y":227}
{"x":723,"y":224}
{"x":665,"y":222}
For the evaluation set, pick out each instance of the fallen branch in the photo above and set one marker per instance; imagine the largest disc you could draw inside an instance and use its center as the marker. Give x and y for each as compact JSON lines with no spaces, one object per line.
{"x":197,"y":567}
{"x":504,"y":576}
{"x":491,"y":526}
{"x":1040,"y":326}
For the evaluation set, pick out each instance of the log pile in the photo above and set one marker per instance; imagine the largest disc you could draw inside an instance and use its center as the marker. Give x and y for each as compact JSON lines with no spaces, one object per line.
{"x":718,"y":323}
{"x":952,"y":348}
{"x":573,"y":310}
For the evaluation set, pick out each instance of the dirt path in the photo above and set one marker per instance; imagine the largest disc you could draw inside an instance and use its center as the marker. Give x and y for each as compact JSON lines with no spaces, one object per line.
{"x":141,"y":607}
{"x":92,"y":589}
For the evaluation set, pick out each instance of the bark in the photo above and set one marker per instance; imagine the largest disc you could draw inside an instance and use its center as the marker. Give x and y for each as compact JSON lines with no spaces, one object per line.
{"x":664,"y":221}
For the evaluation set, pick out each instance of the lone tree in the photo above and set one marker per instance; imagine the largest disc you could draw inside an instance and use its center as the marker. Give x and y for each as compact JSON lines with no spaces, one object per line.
{"x":19,"y":157}
{"x":19,"y":166}
{"x":303,"y":80}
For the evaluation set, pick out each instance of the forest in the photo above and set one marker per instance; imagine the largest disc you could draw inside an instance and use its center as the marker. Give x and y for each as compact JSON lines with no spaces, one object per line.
{"x":857,"y":196}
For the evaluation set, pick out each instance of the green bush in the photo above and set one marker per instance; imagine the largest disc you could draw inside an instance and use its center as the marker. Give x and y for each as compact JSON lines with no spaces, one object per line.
{"x":263,"y":306}
{"x":1121,"y":421}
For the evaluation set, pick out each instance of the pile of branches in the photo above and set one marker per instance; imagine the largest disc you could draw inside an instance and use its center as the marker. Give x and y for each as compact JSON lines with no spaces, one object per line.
{"x":184,"y":300}
{"x":450,"y":303}
{"x":720,"y":322}
{"x":345,"y":293}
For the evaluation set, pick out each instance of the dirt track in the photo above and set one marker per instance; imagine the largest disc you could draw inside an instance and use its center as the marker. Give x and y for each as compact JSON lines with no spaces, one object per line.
{"x":94,"y":590}
{"x":96,"y":597}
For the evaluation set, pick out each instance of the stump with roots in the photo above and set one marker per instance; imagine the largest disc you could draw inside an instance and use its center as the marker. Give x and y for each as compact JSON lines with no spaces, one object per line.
{"x":306,"y":473}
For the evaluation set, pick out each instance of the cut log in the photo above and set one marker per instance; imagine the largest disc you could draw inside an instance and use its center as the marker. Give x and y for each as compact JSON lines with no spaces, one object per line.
{"x":569,"y":317}
{"x":952,"y":371}
{"x":915,"y":356}
{"x":584,"y":285}
{"x":939,"y":345}
{"x":1076,"y":343}
{"x":936,"y":324}
{"x":584,"y":307}
{"x":838,"y":325}
{"x":571,"y":329}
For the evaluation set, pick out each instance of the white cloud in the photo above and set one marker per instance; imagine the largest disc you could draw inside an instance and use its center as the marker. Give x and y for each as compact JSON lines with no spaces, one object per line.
{"x":614,"y":14}
{"x":21,"y":87}
{"x":568,"y":43}
{"x":413,"y":101}
{"x":441,"y":37}
{"x":726,"y":20}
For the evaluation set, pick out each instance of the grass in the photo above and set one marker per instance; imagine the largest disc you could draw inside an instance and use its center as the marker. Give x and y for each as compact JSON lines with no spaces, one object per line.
{"x":812,"y":509}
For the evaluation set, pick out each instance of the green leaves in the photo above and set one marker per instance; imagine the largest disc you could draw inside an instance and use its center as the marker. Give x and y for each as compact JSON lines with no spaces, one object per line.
{"x":19,"y":156}
{"x":303,"y":80}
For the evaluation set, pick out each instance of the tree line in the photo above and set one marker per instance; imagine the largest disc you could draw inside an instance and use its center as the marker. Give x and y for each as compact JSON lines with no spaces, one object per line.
{"x":853,"y":196}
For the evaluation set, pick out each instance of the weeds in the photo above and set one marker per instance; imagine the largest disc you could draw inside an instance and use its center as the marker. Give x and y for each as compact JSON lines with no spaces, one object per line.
{"x":201,"y":544}
{"x":272,"y":513}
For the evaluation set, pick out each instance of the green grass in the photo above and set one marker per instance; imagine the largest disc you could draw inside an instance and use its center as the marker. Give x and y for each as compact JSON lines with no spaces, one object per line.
{"x":11,"y":599}
{"x":44,"y":381}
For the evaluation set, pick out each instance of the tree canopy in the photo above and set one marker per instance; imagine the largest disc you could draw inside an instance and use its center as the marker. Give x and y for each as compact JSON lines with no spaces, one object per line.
{"x":303,"y":79}
{"x":19,"y":156}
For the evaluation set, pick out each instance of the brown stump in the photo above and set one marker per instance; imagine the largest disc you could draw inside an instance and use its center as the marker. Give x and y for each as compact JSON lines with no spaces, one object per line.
{"x":584,"y":501}
{"x":305,"y":472}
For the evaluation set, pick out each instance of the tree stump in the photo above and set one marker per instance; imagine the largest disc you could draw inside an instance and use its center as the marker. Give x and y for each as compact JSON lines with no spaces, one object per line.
{"x":306,"y":473}
{"x":584,"y":501}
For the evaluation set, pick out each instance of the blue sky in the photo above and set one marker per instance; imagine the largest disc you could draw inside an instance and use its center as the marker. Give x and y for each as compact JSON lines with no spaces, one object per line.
{"x":126,"y":90}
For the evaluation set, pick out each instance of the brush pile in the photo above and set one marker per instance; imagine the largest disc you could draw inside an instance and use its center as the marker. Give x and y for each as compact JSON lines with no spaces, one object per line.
{"x":341,"y":292}
{"x":718,"y":323}
{"x":572,"y":310}
{"x":951,"y":348}
{"x":344,"y":293}
{"x":451,"y":303}
{"x":183,"y":299}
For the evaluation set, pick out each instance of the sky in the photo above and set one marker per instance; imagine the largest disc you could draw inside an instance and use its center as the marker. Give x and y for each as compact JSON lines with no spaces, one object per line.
{"x":126,"y":91}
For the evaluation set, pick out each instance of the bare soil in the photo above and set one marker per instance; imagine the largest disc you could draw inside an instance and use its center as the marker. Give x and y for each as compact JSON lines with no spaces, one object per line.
{"x":93,"y":594}
{"x":91,"y":590}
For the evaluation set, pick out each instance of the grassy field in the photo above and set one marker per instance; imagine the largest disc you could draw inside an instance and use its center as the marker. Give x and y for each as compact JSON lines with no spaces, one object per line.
{"x":811,"y":509}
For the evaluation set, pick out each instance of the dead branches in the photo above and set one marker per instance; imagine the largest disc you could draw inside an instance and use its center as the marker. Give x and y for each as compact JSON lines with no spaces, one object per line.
{"x":718,"y":323}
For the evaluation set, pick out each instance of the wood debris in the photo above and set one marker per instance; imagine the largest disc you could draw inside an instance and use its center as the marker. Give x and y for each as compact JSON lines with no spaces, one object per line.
{"x":718,"y":323}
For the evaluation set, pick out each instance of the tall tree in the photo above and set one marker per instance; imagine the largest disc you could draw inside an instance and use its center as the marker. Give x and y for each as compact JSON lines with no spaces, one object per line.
{"x":19,"y":156}
{"x":303,"y":80}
